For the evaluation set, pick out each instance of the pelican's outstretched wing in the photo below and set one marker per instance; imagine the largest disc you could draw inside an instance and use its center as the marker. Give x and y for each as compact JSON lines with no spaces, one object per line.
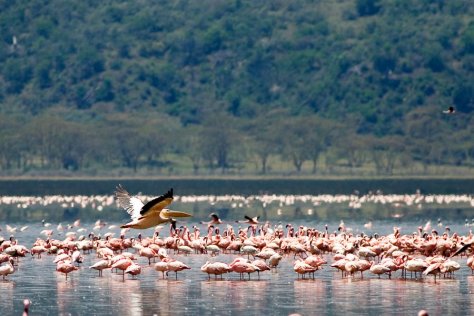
{"x":157,"y":204}
{"x":131,"y":204}
{"x":248,"y":217}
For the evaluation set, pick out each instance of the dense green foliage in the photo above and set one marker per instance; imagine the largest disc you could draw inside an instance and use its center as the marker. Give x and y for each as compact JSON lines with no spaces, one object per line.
{"x":241,"y":86}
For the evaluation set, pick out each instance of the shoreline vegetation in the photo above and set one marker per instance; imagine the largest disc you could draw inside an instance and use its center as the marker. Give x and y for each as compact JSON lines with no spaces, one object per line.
{"x":237,"y":177}
{"x":237,"y":89}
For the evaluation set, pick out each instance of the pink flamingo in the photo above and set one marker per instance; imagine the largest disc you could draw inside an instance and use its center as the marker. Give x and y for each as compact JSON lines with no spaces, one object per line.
{"x":37,"y":250}
{"x":177,"y":266}
{"x":7,"y":269}
{"x":122,"y":264}
{"x":4,"y":257}
{"x":65,"y":267}
{"x":101,"y":265}
{"x":148,"y":253}
{"x":434,"y":269}
{"x":216,"y":268}
{"x":162,"y":267}
{"x":241,"y":266}
{"x":302,"y":268}
{"x":26,"y":306}
{"x":379,"y":269}
{"x":133,"y":269}
{"x":261,"y":265}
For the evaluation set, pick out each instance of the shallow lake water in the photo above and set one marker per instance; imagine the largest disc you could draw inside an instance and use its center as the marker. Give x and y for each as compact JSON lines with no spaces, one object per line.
{"x":192,"y":293}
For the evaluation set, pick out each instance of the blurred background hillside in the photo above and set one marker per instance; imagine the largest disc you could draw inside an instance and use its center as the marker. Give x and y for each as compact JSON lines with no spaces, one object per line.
{"x":311,"y":88}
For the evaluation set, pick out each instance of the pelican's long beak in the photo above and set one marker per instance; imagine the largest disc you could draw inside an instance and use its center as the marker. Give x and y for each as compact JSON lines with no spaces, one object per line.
{"x":172,"y":214}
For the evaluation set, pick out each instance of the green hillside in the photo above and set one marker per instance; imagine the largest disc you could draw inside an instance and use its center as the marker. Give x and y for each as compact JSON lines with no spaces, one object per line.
{"x":244,"y":87}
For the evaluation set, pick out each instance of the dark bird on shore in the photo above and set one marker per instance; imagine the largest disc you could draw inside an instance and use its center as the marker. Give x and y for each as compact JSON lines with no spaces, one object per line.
{"x":250,"y":220}
{"x":215,"y":220}
{"x":450,"y":110}
{"x":147,"y":215}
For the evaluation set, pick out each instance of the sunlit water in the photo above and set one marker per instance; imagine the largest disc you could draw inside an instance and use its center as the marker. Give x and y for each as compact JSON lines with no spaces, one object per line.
{"x":276,"y":293}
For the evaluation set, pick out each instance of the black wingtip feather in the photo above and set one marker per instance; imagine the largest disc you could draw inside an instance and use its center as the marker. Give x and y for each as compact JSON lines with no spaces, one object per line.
{"x":149,"y":205}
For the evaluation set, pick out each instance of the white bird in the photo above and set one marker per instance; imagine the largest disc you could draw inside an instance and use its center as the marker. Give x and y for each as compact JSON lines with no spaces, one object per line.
{"x":450,"y":110}
{"x":147,"y":215}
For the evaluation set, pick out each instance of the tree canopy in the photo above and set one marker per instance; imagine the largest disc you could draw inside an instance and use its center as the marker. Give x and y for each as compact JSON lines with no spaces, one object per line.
{"x":236,"y":85}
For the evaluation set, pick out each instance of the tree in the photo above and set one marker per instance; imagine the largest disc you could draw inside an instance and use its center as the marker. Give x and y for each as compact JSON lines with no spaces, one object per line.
{"x":385,"y":152}
{"x":367,"y":7}
{"x":294,"y":134}
{"x":219,"y":137}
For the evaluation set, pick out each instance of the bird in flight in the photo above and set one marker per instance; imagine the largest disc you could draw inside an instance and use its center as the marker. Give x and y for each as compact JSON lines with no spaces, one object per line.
{"x":250,"y":220}
{"x":465,"y":246}
{"x":450,"y":110}
{"x":215,"y":220}
{"x":147,"y":215}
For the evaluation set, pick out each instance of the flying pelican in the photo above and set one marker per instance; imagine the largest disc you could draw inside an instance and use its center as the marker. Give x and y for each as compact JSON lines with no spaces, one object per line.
{"x":147,"y":215}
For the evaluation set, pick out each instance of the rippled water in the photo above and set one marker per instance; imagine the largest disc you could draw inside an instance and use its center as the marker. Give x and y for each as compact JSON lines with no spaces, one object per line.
{"x":276,"y":293}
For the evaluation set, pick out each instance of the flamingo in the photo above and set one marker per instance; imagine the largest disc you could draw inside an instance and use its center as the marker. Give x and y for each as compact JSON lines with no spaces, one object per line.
{"x":133,"y":269}
{"x":37,"y":250}
{"x":261,"y":265}
{"x":216,"y":268}
{"x":274,"y":260}
{"x":26,"y":306}
{"x":66,"y":267}
{"x":4,"y":257}
{"x":101,"y":265}
{"x":162,"y":266}
{"x":250,"y":220}
{"x":434,"y":269}
{"x":241,"y":266}
{"x":469,"y":263}
{"x":7,"y":269}
{"x":122,"y":264}
{"x":379,"y":269}
{"x":415,"y":265}
{"x":300,"y":267}
{"x":215,"y":220}
{"x":148,"y":253}
{"x":177,"y":266}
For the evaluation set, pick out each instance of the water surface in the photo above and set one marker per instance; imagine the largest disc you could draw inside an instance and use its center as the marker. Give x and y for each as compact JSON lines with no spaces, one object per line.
{"x":276,"y":293}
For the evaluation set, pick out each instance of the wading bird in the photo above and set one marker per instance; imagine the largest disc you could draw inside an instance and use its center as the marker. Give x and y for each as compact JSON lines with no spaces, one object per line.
{"x":147,"y":215}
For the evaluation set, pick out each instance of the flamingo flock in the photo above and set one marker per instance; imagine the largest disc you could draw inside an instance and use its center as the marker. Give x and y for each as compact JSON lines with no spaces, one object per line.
{"x":354,"y":201}
{"x":253,"y":250}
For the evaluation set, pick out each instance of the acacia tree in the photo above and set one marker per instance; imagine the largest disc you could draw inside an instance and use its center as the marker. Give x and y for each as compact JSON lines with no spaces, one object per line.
{"x":385,"y":152}
{"x":319,"y":138}
{"x":190,"y":144}
{"x":264,"y":135}
{"x":12,"y":146}
{"x":220,"y":137}
{"x":424,"y":132}
{"x":354,"y":148}
{"x":294,"y":136}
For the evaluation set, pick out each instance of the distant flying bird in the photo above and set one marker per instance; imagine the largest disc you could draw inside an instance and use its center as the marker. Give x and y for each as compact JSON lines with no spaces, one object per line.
{"x":465,"y":246}
{"x":215,"y":220}
{"x":147,"y":215}
{"x":450,"y":110}
{"x":250,"y":220}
